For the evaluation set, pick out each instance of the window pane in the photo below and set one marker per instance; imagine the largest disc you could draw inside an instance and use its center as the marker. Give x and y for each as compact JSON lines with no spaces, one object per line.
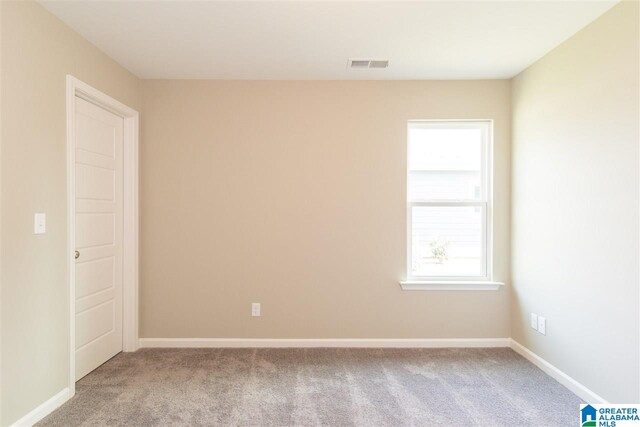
{"x":445,"y":164}
{"x":446,"y":241}
{"x":444,"y":185}
{"x":445,"y":149}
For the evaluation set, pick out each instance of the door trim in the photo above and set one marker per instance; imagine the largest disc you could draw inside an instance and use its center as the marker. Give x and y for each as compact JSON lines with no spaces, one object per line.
{"x":130,"y":218}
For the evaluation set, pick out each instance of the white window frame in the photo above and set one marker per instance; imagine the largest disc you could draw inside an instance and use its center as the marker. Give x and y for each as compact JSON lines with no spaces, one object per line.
{"x":485,"y":280}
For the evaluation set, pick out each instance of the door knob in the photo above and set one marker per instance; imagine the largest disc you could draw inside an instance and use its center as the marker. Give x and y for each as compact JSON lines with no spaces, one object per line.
{"x":77,"y":254}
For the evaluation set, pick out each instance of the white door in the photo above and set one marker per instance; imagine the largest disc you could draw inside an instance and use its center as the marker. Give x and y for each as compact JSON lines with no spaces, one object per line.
{"x":99,"y":233}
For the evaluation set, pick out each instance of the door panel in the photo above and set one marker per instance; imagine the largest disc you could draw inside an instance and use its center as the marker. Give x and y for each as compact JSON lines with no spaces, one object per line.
{"x":94,"y":276}
{"x":94,"y":323}
{"x":95,"y":229}
{"x":99,"y":235}
{"x":94,"y":133}
{"x":94,"y":183}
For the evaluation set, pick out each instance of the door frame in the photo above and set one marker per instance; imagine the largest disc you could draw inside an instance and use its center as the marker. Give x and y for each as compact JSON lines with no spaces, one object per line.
{"x":130,"y":341}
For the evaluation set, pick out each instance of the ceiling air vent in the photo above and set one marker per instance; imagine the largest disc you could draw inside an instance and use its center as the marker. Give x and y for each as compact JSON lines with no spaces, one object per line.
{"x":379,"y":63}
{"x":359,"y":63}
{"x":368,"y":63}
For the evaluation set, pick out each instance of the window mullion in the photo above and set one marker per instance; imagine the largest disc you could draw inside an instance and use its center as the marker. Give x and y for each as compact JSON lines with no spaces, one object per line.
{"x":452,"y":203}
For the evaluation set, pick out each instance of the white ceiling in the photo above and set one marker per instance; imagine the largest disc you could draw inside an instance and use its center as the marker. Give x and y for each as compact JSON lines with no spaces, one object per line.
{"x":312,"y":40}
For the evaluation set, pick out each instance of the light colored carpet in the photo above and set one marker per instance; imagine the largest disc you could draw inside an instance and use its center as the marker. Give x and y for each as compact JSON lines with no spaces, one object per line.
{"x":310,"y":387}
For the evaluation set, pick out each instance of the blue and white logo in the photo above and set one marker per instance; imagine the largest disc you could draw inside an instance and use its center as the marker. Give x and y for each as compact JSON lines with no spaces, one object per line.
{"x":588,"y":416}
{"x":609,"y":415}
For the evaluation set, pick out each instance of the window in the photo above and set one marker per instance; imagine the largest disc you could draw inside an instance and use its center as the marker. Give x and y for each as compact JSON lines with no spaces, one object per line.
{"x":449,"y":201}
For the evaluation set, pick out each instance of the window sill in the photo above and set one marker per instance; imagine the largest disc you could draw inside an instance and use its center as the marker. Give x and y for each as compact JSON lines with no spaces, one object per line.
{"x":423,"y":285}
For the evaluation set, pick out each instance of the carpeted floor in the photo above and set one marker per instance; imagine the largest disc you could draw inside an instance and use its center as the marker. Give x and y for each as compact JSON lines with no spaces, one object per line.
{"x":310,"y":387}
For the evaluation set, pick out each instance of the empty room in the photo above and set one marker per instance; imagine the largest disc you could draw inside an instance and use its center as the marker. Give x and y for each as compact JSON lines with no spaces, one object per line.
{"x":320,"y":213}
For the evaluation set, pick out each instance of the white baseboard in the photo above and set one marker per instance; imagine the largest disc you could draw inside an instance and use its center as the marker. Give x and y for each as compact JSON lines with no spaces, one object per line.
{"x":580,"y":390}
{"x":44,"y":409}
{"x":333,"y":343}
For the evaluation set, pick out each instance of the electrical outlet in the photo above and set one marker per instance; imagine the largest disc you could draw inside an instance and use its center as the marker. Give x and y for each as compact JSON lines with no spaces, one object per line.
{"x":39,"y":223}
{"x":534,"y":321}
{"x":542,"y":325}
{"x":255,"y":309}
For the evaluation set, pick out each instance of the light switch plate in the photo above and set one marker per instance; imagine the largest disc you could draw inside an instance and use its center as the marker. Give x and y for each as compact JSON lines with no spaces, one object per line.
{"x":255,"y":309}
{"x":542,"y":325}
{"x":39,"y":223}
{"x":534,"y":321}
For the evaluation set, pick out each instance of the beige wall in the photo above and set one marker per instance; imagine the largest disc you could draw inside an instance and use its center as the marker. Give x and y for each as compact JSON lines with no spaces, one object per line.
{"x":37,"y":52}
{"x":292,"y":194}
{"x":575,"y":205}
